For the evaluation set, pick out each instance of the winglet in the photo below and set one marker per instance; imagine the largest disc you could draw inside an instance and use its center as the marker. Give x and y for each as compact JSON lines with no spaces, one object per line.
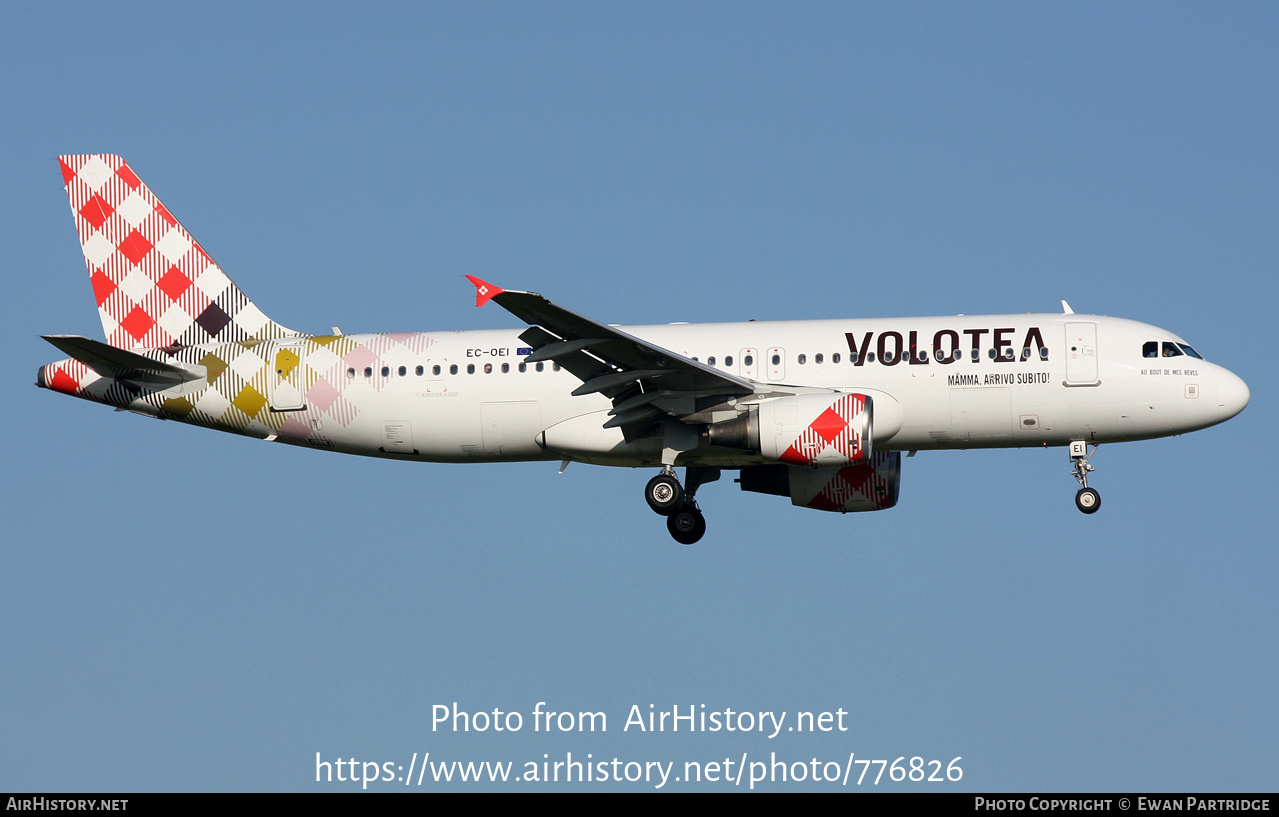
{"x":484,"y":290}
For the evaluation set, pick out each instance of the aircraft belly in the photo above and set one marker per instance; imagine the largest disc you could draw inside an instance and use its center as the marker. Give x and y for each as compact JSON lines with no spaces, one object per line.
{"x":510,"y":428}
{"x":982,"y":415}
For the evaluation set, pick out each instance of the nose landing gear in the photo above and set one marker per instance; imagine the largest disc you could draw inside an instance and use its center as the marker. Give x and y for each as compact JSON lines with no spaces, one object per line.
{"x":1087,"y":499}
{"x":667,"y":497}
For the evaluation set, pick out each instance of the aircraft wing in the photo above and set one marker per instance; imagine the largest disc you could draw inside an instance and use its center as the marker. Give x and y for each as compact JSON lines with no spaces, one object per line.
{"x":642,"y":379}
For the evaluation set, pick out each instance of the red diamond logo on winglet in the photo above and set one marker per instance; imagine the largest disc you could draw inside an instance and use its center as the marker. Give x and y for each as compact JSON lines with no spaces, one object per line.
{"x":484,"y":291}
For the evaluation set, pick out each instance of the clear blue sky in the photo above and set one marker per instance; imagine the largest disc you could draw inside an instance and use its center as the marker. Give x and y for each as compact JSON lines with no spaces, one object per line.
{"x":185,"y":610}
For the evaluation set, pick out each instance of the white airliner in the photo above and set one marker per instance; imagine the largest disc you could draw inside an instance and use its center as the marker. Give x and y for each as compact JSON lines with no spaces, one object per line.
{"x":818,"y":411}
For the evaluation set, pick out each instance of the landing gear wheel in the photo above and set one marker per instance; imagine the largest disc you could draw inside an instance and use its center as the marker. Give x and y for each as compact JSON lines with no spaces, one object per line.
{"x":687,"y":525}
{"x":664,"y":494}
{"x":1088,"y":500}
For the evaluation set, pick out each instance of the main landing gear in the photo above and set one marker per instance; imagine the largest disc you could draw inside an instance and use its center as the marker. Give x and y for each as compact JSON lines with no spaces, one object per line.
{"x":668,"y":498}
{"x":1087,"y":499}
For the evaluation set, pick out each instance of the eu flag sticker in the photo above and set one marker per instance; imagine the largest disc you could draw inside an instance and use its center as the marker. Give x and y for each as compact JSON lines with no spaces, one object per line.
{"x":524,"y":350}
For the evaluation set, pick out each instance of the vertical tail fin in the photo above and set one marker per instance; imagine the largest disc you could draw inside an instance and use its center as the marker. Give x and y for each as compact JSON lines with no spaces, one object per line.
{"x":156,"y":288}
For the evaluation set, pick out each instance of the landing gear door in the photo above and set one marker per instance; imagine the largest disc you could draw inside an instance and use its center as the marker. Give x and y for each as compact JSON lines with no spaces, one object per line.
{"x":1081,"y":354}
{"x":287,"y":371}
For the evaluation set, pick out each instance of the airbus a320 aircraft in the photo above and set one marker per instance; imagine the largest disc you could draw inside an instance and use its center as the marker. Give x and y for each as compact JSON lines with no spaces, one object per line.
{"x":818,"y":411}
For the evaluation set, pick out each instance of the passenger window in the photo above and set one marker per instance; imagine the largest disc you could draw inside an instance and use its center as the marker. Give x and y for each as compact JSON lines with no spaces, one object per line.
{"x":803,"y":359}
{"x":470,"y":368}
{"x":728,"y":361}
{"x":506,"y":367}
{"x":710,"y":361}
{"x":419,"y":371}
{"x":748,"y":360}
{"x":386,"y":371}
{"x":453,"y":369}
{"x":834,"y":358}
{"x":817,"y":358}
{"x":435,"y":369}
{"x":350,"y":373}
{"x":403,"y":371}
{"x":488,"y":368}
{"x":555,"y":367}
{"x":523,"y":367}
{"x":1150,"y":348}
{"x":368,"y":371}
{"x":777,"y":359}
{"x":539,"y":366}
{"x":976,"y":355}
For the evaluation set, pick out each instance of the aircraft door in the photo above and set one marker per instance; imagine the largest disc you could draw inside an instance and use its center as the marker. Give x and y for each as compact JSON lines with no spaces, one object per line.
{"x":1081,"y":354}
{"x":287,"y":385}
{"x":776,"y":364}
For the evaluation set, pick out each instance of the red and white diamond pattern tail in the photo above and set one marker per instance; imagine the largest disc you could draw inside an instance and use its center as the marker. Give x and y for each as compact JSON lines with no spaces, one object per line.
{"x":833,"y":438}
{"x":155,"y":286}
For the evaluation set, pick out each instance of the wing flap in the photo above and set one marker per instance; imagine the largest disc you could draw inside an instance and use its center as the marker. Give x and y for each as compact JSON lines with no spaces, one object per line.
{"x":608,"y":381}
{"x":644,"y":381}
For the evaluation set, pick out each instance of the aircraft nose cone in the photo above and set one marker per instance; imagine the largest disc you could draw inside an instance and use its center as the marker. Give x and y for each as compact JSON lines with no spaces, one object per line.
{"x":1232,"y":395}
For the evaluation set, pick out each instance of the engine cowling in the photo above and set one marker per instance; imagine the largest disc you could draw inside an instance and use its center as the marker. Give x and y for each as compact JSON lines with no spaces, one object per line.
{"x":872,"y":485}
{"x":808,"y":429}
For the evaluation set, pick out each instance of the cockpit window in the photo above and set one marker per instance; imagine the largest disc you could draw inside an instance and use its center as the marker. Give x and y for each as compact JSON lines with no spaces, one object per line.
{"x":1152,"y":348}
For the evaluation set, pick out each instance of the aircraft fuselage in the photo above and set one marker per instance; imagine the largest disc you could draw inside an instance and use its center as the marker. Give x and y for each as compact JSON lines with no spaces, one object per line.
{"x":467,"y":396}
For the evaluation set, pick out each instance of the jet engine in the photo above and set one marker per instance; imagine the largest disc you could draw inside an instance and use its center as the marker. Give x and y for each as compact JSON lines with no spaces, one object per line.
{"x":871,"y":485}
{"x":810,"y":429}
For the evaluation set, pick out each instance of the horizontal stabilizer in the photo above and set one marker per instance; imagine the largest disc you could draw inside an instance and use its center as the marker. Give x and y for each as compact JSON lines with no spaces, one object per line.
{"x":110,"y":361}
